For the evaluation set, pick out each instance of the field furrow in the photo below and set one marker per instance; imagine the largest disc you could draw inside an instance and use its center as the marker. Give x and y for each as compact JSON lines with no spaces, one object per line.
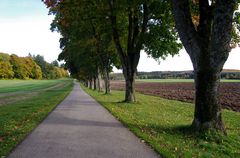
{"x":185,"y":91}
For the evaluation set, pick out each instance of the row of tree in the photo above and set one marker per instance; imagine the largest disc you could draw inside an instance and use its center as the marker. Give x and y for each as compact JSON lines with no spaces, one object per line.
{"x":50,"y":70}
{"x":30,"y":67}
{"x":225,"y":74}
{"x":94,"y":31}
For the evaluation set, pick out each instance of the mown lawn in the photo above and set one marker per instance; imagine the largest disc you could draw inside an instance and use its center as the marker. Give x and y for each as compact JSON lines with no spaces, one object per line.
{"x":164,"y":125}
{"x":7,"y":86}
{"x":18,"y":118}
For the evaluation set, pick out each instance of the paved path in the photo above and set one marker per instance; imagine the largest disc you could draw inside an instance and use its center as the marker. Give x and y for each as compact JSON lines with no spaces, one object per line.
{"x":81,"y":128}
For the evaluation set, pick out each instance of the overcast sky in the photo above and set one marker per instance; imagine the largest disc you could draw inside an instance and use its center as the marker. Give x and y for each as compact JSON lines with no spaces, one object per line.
{"x":24,"y":28}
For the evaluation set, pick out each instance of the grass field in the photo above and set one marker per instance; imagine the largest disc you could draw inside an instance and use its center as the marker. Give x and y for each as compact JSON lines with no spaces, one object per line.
{"x":177,"y":80}
{"x":164,"y":125}
{"x":24,"y":104}
{"x":7,"y":86}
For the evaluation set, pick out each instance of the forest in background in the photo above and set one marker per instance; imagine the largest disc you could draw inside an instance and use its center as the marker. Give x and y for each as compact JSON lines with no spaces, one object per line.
{"x":30,"y":67}
{"x":225,"y":74}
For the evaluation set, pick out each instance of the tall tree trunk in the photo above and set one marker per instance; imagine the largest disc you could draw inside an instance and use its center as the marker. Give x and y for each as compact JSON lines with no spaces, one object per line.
{"x":129,"y":58}
{"x":89,"y":82}
{"x":99,"y":82}
{"x":130,"y":86}
{"x":94,"y":83}
{"x":130,"y":71}
{"x":207,"y":113}
{"x":107,"y":82}
{"x":208,"y":45}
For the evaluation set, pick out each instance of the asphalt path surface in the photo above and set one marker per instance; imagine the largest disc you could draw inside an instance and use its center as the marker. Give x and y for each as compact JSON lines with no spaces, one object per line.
{"x":81,"y":128}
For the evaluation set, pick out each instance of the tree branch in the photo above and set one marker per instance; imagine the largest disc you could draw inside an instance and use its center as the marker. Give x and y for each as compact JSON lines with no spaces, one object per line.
{"x":185,"y":27}
{"x":116,"y":38}
{"x":221,"y":30}
{"x":130,"y":29}
{"x":139,"y":41}
{"x":204,"y":27}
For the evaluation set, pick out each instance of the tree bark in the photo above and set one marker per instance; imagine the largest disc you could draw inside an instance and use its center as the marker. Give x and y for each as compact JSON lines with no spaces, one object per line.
{"x":129,"y":72}
{"x":90,"y":84}
{"x":130,"y":57}
{"x":130,"y":75}
{"x":94,"y":83}
{"x":107,"y":82}
{"x":207,"y":113}
{"x":99,"y":82}
{"x":208,"y":46}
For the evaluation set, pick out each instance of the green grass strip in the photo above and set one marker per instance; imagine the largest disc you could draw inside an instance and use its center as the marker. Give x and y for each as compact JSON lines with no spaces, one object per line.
{"x":17,"y":120}
{"x":164,"y":125}
{"x":8,"y":86}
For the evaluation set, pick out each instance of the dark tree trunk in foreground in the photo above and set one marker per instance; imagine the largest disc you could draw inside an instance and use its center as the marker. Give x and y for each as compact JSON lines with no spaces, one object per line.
{"x":207,"y":108}
{"x":129,"y":72}
{"x":208,"y":45}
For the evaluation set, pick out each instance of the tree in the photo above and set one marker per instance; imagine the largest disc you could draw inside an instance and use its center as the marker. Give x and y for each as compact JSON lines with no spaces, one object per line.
{"x":133,"y":24}
{"x":86,"y":41}
{"x":36,"y":72}
{"x":40,"y":61}
{"x":49,"y":70}
{"x":19,"y":67}
{"x":25,"y":68}
{"x":205,"y":29}
{"x":55,"y":63}
{"x":138,"y":25}
{"x":63,"y":66}
{"x":6,"y":70}
{"x":104,"y":48}
{"x":32,"y":69}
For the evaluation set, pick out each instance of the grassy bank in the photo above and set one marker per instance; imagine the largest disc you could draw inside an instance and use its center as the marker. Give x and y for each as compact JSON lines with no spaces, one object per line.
{"x":24,"y":104}
{"x":164,"y":125}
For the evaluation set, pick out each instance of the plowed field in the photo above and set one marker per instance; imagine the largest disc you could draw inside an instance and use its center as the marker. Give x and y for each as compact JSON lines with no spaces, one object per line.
{"x":229,"y":92}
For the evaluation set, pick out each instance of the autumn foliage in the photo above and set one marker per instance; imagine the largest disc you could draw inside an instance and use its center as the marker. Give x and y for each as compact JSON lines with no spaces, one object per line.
{"x":13,"y":66}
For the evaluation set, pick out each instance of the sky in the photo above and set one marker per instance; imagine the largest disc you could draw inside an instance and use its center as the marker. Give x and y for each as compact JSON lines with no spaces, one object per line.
{"x":25,"y":28}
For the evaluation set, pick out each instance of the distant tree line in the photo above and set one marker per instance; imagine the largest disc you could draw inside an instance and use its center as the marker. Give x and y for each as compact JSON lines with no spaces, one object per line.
{"x":30,"y":67}
{"x":166,"y":75}
{"x":225,"y":74}
{"x":183,"y":75}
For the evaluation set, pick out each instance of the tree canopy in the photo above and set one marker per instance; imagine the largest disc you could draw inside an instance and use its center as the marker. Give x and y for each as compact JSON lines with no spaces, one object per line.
{"x":30,"y":67}
{"x":86,"y":42}
{"x":129,"y":26}
{"x":6,"y":70}
{"x":208,"y":29}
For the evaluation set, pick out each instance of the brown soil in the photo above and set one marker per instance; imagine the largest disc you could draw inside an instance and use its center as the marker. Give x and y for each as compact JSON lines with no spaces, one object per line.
{"x":229,"y":92}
